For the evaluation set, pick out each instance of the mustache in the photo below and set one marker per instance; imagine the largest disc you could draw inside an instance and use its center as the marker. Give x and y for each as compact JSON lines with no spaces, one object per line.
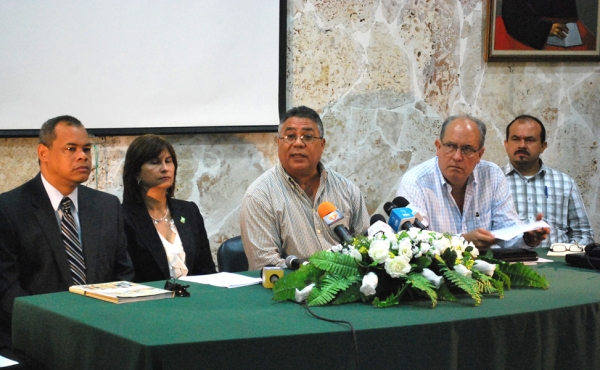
{"x":522,"y":151}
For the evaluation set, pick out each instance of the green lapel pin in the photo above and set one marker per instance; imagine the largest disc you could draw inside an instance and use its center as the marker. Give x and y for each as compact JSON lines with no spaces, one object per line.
{"x":182,"y":220}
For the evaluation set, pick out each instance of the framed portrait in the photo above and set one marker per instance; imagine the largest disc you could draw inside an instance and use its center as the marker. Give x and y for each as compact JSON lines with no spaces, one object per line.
{"x":542,"y":30}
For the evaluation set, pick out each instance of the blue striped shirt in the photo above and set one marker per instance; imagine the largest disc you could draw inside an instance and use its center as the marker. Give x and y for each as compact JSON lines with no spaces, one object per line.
{"x":487,"y":205}
{"x":278,"y":219}
{"x":556,"y":195}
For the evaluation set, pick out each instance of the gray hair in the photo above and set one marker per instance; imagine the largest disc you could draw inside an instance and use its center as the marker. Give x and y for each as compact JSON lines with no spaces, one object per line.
{"x":478,"y":122}
{"x":303,"y":112}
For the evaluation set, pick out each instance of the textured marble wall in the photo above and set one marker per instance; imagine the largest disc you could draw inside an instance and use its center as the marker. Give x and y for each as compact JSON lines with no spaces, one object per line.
{"x":383,"y":74}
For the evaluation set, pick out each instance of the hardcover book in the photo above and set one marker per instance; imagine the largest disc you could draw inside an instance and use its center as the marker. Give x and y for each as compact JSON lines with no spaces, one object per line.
{"x":121,"y":292}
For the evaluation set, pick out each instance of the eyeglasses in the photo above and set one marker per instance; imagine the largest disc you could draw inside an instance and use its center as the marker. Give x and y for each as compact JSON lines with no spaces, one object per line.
{"x":558,"y":247}
{"x":306,"y":139}
{"x":451,"y":148}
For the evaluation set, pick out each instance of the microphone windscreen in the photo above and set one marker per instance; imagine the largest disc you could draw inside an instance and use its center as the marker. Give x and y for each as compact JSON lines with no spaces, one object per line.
{"x":388,"y":206}
{"x":288,"y":261}
{"x":325,"y":208}
{"x":377,"y":217}
{"x":401,"y":202}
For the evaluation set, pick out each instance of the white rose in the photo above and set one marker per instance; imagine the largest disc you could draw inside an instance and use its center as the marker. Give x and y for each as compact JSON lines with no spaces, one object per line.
{"x":425,"y":247}
{"x":301,"y":295}
{"x":461,"y":269}
{"x":369,"y":283}
{"x":456,"y":242}
{"x":423,"y":236}
{"x":405,"y":250}
{"x":484,"y":267}
{"x":356,"y":254}
{"x":441,"y":245}
{"x":379,"y":250}
{"x":404,"y":243}
{"x":432,"y":277}
{"x":475,"y":251}
{"x":397,"y":266}
{"x":337,"y":248}
{"x":413,"y":232}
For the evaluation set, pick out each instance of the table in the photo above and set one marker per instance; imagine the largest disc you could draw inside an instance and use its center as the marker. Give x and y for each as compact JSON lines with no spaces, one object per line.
{"x":244,"y":328}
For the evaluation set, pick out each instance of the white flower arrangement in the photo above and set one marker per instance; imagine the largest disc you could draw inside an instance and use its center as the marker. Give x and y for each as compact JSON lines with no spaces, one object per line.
{"x":381,"y":269}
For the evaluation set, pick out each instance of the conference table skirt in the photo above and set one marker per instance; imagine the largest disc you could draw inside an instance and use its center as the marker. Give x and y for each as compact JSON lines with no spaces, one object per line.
{"x":219,"y":328}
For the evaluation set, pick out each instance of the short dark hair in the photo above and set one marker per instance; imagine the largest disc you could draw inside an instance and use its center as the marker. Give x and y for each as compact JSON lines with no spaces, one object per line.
{"x":526,"y":117}
{"x":478,"y":122}
{"x":140,"y":151}
{"x":47,"y":133}
{"x":303,"y":112}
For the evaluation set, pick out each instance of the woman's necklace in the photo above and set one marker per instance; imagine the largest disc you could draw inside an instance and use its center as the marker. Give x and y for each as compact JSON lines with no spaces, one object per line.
{"x":163,"y":218}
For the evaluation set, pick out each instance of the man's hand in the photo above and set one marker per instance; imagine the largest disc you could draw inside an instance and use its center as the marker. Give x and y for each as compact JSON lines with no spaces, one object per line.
{"x":559,"y":30}
{"x":482,"y":238}
{"x":533,"y":238}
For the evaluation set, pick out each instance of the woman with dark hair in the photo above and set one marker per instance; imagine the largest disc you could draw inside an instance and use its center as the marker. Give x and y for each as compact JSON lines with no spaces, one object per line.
{"x":166,"y":237}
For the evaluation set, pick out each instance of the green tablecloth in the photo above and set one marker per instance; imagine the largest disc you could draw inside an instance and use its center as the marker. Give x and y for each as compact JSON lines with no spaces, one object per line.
{"x":558,"y":328}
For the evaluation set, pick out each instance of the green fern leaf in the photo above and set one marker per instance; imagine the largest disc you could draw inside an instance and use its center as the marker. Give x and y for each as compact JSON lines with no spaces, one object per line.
{"x":285,"y":288}
{"x":392,"y":300}
{"x":444,"y":293}
{"x":327,"y":289}
{"x":467,"y":284}
{"x":335,"y":263}
{"x":421,"y":283}
{"x":352,"y":294}
{"x":524,"y":276}
{"x":485,"y":284}
{"x":502,"y":277}
{"x":499,"y":287}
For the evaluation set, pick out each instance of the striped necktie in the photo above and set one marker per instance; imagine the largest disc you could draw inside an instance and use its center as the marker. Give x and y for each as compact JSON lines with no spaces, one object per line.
{"x":72,"y":244}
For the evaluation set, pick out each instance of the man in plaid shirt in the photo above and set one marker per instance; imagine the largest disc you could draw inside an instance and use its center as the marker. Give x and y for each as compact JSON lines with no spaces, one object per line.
{"x":537,"y":188}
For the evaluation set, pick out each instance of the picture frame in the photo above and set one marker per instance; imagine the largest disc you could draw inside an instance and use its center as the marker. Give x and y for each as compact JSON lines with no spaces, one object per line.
{"x":522,"y":34}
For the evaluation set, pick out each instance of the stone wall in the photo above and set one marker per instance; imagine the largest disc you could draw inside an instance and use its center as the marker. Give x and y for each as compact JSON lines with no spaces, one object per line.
{"x":384,"y":75}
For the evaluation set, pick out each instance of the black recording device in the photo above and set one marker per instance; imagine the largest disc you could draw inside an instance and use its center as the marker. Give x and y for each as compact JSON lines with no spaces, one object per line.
{"x":593,"y":250}
{"x":590,"y":259}
{"x":180,"y":290}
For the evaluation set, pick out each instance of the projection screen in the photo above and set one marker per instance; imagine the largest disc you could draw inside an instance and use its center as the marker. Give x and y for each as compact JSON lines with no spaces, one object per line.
{"x":137,"y":66}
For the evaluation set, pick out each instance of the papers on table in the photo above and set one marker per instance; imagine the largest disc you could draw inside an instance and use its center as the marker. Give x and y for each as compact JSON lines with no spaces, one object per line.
{"x":4,"y":362}
{"x":510,"y":232}
{"x":223,"y":279}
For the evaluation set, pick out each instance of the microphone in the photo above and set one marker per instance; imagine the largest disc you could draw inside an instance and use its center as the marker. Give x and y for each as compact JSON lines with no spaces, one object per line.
{"x":401,"y":202}
{"x":294,"y":263}
{"x":376,"y":217}
{"x":336,"y":221}
{"x":401,"y":218}
{"x":270,"y":275}
{"x":378,"y":226}
{"x":388,"y":207}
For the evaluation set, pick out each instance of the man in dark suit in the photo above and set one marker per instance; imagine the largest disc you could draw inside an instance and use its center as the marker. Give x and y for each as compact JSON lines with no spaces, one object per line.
{"x":35,"y":254}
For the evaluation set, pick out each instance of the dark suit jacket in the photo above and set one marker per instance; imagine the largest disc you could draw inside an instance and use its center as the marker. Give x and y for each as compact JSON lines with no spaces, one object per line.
{"x":147,"y":251}
{"x":33,"y":259}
